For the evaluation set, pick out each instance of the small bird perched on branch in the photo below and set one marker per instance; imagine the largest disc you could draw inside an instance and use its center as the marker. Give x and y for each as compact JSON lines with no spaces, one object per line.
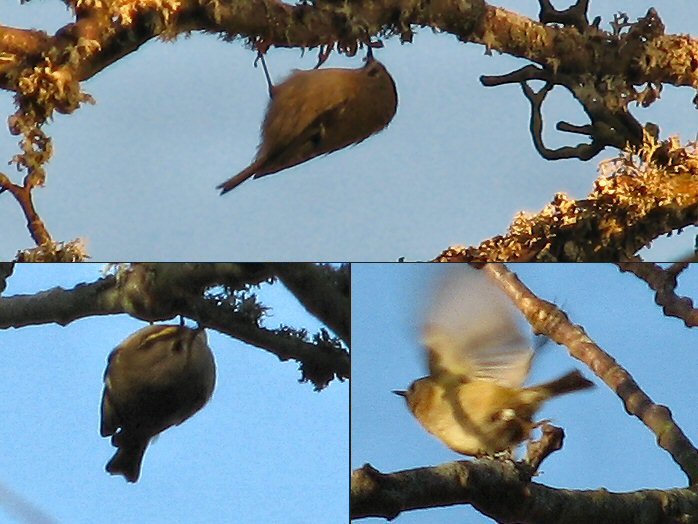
{"x":319,"y":111}
{"x":158,"y":377}
{"x":473,"y":399}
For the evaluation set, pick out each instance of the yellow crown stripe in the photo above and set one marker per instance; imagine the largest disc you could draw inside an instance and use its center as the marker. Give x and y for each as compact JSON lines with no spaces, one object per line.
{"x":164,"y":333}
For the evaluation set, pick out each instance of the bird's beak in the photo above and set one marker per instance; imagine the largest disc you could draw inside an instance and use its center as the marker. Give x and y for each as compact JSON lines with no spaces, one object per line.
{"x":400,"y":393}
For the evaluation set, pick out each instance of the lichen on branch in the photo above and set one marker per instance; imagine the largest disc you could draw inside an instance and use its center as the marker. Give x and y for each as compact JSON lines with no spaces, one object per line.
{"x":640,"y":195}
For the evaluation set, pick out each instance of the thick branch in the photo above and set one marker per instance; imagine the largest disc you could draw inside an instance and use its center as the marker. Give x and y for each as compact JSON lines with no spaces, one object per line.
{"x":320,"y":364}
{"x":6,"y":269}
{"x":566,"y":50}
{"x":60,"y":306}
{"x":113,"y":32}
{"x":496,"y":489}
{"x":156,"y":292}
{"x":634,"y":203}
{"x":109,"y":33}
{"x":318,"y":289}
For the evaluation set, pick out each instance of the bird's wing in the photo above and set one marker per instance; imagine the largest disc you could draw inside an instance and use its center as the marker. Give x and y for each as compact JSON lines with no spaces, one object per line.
{"x":470,"y":331}
{"x":296,"y":121}
{"x":299,"y":102}
{"x":303,"y":146}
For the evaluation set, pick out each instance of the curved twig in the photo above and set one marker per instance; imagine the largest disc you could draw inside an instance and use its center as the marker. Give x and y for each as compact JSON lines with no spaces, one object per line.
{"x":663,"y":282}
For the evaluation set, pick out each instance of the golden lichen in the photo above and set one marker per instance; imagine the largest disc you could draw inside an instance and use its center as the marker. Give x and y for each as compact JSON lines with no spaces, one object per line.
{"x":47,"y":87}
{"x":644,"y":192}
{"x":127,"y":10}
{"x":84,"y":48}
{"x":73,"y":251}
{"x":90,"y":4}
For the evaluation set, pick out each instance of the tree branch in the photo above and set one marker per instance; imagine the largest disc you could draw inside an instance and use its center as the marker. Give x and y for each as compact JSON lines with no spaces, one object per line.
{"x":497,"y":489}
{"x":6,"y":269}
{"x":640,"y":195}
{"x":320,"y":363}
{"x":575,"y":15}
{"x":663,"y":282}
{"x":322,"y":294}
{"x":600,"y":68}
{"x":101,"y":36}
{"x":155,"y":292}
{"x":548,"y":320}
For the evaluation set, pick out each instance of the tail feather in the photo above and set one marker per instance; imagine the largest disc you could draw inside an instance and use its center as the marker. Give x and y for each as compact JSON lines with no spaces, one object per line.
{"x":238,"y":179}
{"x":127,"y":461}
{"x":572,"y":381}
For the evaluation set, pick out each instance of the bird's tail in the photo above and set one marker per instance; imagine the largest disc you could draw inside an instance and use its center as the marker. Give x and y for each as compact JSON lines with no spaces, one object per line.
{"x":238,"y":179}
{"x":572,"y":381}
{"x":127,"y":461}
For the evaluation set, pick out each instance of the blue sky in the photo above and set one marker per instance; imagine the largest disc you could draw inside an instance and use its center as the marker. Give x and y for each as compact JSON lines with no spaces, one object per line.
{"x":265,"y":449}
{"x":135,"y":174}
{"x":604,"y":447}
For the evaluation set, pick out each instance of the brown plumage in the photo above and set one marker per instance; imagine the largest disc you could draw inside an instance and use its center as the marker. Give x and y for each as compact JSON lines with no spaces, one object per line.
{"x":156,"y":378}
{"x":316,"y":112}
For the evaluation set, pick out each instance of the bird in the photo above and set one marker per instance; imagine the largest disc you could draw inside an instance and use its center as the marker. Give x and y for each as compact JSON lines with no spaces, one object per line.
{"x":319,"y":111}
{"x":158,"y":377}
{"x":473,"y":399}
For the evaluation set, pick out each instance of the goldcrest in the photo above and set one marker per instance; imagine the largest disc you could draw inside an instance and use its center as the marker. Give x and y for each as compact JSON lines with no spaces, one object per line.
{"x":473,"y":399}
{"x":320,"y":111}
{"x":481,"y":417}
{"x":158,"y":377}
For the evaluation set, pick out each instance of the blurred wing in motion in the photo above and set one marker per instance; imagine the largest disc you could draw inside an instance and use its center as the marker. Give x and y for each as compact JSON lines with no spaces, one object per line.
{"x":470,"y":331}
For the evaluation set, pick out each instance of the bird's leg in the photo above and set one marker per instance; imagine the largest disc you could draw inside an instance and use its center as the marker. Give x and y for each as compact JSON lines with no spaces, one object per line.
{"x":324,"y":54}
{"x":260,"y":58}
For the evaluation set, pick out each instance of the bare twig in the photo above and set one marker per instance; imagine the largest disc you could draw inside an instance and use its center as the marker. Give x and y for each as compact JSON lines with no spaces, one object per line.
{"x":538,"y":450}
{"x":23,"y":196}
{"x":575,"y":15}
{"x":663,"y":282}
